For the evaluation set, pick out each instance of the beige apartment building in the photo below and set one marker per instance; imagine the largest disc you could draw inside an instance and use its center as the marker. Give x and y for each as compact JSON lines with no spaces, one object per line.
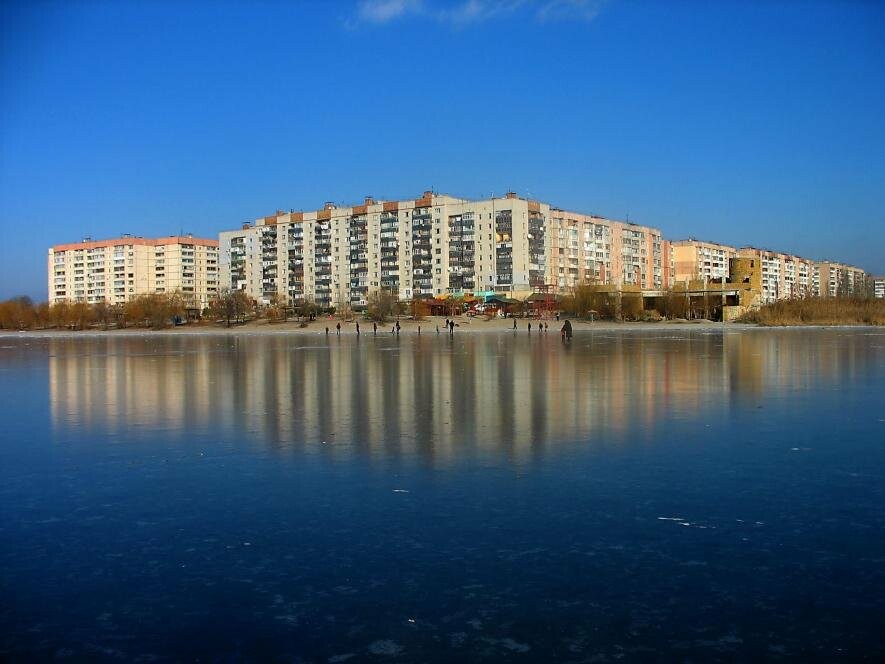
{"x":831,"y":279}
{"x":433,"y":245}
{"x":591,"y":249}
{"x":114,"y":271}
{"x":696,"y":260}
{"x":783,"y":275}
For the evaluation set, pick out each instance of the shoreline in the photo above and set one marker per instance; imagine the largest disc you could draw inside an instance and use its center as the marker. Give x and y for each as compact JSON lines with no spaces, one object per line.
{"x":464,"y":326}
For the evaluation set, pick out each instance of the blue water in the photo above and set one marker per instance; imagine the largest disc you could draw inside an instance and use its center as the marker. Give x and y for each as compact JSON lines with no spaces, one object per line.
{"x":690,"y":495}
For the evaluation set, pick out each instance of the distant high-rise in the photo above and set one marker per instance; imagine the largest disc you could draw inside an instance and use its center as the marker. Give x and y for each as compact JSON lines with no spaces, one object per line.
{"x":115,"y":271}
{"x":433,"y":245}
{"x":833,"y":279}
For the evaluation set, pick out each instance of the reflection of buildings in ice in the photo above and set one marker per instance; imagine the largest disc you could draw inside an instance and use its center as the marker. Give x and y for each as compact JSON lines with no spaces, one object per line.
{"x":763,"y":363}
{"x":123,"y":383}
{"x":432,"y":397}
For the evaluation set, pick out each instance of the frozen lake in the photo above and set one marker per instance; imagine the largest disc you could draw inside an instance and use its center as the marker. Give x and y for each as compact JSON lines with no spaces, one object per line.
{"x":670,"y":494}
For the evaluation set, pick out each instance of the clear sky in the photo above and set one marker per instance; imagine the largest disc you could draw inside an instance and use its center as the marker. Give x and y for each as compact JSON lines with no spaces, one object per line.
{"x":756,"y":123}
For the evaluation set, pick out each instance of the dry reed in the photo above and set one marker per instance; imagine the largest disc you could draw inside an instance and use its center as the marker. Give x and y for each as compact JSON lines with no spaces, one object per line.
{"x":819,"y":311}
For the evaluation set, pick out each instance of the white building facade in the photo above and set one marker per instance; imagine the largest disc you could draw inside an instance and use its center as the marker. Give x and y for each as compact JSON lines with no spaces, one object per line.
{"x":430,"y":246}
{"x":118,"y":270}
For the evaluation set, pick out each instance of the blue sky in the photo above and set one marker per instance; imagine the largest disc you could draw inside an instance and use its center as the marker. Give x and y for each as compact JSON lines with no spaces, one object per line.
{"x":746,"y":123}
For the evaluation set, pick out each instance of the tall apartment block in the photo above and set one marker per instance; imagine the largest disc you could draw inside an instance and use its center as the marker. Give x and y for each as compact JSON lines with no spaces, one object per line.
{"x":588,"y":248}
{"x":783,"y":275}
{"x":832,"y":279}
{"x":879,"y":287}
{"x":114,"y":271}
{"x":433,"y":245}
{"x":696,"y":260}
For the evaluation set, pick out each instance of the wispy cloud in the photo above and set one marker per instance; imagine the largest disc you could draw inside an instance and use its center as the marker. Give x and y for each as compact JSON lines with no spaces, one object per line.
{"x":569,"y":10}
{"x":476,"y":11}
{"x":466,"y":12}
{"x":385,"y":11}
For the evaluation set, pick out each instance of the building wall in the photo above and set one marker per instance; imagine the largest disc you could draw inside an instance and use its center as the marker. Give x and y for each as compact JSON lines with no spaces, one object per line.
{"x":696,"y":260}
{"x":832,"y":279}
{"x":593,"y":249}
{"x":783,"y":276}
{"x":879,"y":287}
{"x":433,"y":245}
{"x":115,"y":271}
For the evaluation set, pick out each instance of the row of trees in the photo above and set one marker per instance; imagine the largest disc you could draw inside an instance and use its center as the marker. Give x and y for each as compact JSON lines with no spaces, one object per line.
{"x":156,"y":311}
{"x":588,"y":299}
{"x":151,"y":311}
{"x":235,"y":306}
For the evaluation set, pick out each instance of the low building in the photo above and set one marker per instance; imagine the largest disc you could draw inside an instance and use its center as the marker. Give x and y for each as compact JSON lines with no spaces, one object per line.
{"x":118,"y":270}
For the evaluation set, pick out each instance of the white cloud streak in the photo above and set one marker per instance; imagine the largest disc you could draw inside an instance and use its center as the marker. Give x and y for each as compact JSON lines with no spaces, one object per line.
{"x":380,"y":12}
{"x":468,"y":12}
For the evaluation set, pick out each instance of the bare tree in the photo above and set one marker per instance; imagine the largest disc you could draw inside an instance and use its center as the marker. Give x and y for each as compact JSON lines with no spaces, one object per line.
{"x":102,"y":313}
{"x":382,"y":305}
{"x":231,"y":305}
{"x":276,"y":310}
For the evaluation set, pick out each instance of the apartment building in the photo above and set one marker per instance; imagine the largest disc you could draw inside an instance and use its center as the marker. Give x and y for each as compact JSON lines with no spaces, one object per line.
{"x":114,"y":271}
{"x":588,"y":248}
{"x":697,"y":260}
{"x":783,"y":275}
{"x":433,"y":245}
{"x":832,"y":279}
{"x":879,"y":287}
